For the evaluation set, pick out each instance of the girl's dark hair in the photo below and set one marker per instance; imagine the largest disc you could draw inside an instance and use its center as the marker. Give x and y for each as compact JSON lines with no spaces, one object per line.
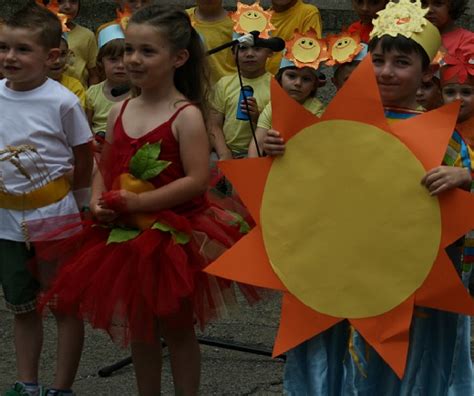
{"x":401,"y":44}
{"x":191,"y":79}
{"x":279,"y":76}
{"x":457,"y":8}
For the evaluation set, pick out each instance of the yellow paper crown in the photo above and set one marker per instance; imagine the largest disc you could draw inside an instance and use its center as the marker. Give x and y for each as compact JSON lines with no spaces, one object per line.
{"x":407,"y":18}
{"x":253,"y":17}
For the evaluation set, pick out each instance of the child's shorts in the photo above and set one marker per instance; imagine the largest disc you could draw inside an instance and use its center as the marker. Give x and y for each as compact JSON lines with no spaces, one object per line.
{"x":19,"y":285}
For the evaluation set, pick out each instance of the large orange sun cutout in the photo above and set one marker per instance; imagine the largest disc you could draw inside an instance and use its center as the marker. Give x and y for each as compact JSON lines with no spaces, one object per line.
{"x":344,"y":227}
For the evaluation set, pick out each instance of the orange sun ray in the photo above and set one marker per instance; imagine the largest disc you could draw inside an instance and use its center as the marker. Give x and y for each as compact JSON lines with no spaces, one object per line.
{"x":389,"y":334}
{"x":301,"y":118}
{"x":417,"y":137}
{"x":247,"y":262}
{"x":248,"y":176}
{"x":359,"y":99}
{"x":457,"y":222}
{"x":299,"y":323}
{"x":443,"y":280}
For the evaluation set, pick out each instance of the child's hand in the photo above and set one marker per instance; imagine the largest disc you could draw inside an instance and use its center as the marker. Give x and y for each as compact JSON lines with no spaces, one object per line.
{"x":102,"y":214}
{"x":273,"y":144}
{"x":253,"y":108}
{"x":121,"y":201}
{"x":444,"y":178}
{"x":225,"y":155}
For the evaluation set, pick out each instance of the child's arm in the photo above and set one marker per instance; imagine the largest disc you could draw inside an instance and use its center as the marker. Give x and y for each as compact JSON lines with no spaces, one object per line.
{"x":83,"y":161}
{"x":216,"y":135}
{"x":444,"y":178}
{"x":260,"y":134}
{"x":194,"y":152}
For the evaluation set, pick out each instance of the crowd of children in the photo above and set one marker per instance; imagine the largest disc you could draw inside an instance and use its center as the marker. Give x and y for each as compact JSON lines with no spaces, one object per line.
{"x":123,"y":246}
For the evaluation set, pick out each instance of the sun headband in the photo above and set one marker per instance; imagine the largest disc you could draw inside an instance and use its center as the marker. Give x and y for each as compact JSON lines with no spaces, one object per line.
{"x":407,"y":19}
{"x":343,"y":47}
{"x":305,"y":50}
{"x":249,"y":18}
{"x":458,"y":66}
{"x":53,"y":6}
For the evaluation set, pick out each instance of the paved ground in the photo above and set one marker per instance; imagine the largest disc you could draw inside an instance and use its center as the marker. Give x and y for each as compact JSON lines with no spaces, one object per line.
{"x":223,"y":372}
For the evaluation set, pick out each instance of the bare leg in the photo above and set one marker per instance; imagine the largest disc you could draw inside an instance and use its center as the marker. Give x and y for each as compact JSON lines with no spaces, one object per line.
{"x":28,"y":331}
{"x":147,"y":364}
{"x":70,"y":343}
{"x":185,"y":354}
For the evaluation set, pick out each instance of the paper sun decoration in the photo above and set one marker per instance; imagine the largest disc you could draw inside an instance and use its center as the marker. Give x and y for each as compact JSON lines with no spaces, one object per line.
{"x":344,"y":240}
{"x":306,"y":50}
{"x":343,"y":47}
{"x":53,"y":6}
{"x":123,"y":16}
{"x":249,"y":18}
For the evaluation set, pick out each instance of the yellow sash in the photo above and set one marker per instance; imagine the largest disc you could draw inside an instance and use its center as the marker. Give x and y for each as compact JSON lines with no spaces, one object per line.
{"x":50,"y":193}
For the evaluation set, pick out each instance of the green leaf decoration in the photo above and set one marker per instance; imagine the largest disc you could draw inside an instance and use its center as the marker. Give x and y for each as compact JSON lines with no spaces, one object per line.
{"x":145,"y":165}
{"x":181,"y":238}
{"x":244,"y":227}
{"x":119,"y":235}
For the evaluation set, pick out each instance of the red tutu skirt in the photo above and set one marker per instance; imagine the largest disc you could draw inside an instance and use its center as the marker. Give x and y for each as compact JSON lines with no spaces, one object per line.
{"x":123,"y":287}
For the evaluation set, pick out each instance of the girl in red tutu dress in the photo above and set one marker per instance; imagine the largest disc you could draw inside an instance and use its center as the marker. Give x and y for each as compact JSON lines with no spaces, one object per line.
{"x":136,"y":270}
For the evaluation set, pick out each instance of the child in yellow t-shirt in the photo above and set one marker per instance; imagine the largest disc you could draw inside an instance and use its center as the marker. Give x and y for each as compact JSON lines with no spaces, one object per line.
{"x":289,"y":15}
{"x":99,"y":97}
{"x":56,"y":72}
{"x":215,"y":27}
{"x":82,"y":45}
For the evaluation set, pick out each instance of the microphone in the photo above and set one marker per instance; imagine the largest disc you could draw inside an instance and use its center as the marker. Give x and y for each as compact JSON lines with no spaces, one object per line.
{"x":120,"y":90}
{"x":251,"y":39}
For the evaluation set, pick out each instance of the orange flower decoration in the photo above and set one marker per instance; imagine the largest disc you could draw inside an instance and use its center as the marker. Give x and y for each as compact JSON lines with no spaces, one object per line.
{"x":124,"y":16}
{"x":306,"y":50}
{"x":343,"y":47}
{"x":249,"y":18}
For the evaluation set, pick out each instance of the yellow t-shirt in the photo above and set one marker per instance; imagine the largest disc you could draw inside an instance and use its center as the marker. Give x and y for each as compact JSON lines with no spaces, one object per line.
{"x":311,"y":104}
{"x":75,"y":86}
{"x":225,"y":99}
{"x":83,"y":47}
{"x":301,"y":16}
{"x":100,"y":105}
{"x":214,"y":34}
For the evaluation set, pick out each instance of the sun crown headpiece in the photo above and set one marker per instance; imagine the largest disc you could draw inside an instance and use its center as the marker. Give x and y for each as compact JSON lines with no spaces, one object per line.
{"x":343,"y":47}
{"x":407,"y":18}
{"x":53,"y":6}
{"x":305,"y":50}
{"x":116,"y":29}
{"x":458,"y":66}
{"x":249,"y":18}
{"x":123,"y":17}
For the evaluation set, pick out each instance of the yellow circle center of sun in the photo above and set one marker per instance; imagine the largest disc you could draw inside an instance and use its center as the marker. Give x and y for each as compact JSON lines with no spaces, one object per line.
{"x":355,"y":233}
{"x":255,"y":21}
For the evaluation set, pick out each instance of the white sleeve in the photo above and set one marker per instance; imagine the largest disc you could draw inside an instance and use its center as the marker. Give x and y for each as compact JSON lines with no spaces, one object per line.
{"x":76,"y":127}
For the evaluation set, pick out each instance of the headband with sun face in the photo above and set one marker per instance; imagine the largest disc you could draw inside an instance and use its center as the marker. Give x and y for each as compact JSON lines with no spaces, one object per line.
{"x":343,"y":48}
{"x":53,"y":6}
{"x":116,"y":30}
{"x":249,"y":18}
{"x":407,"y":18}
{"x":123,"y":17}
{"x":305,"y":50}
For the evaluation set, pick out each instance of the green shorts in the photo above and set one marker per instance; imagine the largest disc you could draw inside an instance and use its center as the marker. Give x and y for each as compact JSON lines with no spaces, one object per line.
{"x":19,"y":285}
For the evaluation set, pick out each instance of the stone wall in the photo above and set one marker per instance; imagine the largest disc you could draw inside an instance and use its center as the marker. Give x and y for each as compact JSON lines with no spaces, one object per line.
{"x":335,"y":13}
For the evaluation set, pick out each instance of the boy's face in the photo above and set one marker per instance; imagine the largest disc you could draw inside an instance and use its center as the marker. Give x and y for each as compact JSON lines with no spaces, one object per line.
{"x":464,"y":93}
{"x":438,"y":14}
{"x":429,"y":95}
{"x":367,"y":9}
{"x":252,"y":60}
{"x":69,"y":7}
{"x":57,"y":68}
{"x":299,"y":83}
{"x":399,"y":75}
{"x":23,"y":61}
